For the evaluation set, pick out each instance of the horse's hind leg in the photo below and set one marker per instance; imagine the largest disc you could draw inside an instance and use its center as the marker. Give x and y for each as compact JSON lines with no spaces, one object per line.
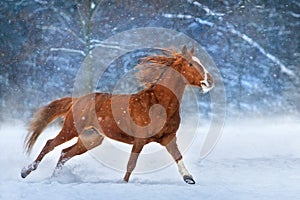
{"x":89,"y":139}
{"x":135,"y":152}
{"x":63,"y":136}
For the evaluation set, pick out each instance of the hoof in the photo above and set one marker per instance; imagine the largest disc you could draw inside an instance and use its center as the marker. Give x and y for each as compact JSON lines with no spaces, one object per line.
{"x":189,"y":179}
{"x":24,"y":173}
{"x":126,"y":177}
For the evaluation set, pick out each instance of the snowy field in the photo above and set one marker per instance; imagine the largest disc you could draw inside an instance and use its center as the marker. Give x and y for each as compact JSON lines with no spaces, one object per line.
{"x":252,"y":160}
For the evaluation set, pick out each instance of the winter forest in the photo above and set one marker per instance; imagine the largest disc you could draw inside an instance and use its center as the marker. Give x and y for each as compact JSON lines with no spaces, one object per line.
{"x":254,"y":45}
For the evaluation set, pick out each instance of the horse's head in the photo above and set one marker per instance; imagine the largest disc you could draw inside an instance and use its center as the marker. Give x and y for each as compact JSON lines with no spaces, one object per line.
{"x":194,"y":71}
{"x":150,"y":70}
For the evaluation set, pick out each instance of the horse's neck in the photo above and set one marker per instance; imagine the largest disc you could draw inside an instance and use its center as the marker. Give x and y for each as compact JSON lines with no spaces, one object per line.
{"x":171,"y":85}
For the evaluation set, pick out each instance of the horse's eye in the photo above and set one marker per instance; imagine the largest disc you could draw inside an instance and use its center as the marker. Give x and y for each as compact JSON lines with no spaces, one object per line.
{"x":190,"y":64}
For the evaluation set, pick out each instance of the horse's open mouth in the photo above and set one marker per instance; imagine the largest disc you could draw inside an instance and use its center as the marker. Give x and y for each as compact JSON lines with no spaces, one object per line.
{"x":204,"y":85}
{"x":206,"y":88}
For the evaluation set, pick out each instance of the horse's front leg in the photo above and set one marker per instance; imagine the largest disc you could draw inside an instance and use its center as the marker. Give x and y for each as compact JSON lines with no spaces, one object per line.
{"x":135,"y":152}
{"x":172,"y":148}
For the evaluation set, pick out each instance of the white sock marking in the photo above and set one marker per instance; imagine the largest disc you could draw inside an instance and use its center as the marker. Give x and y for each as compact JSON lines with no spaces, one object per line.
{"x":182,"y":170}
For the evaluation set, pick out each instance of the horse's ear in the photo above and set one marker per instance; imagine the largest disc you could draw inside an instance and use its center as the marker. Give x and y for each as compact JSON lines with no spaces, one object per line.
{"x":184,"y":50}
{"x":192,"y":51}
{"x":186,"y":54}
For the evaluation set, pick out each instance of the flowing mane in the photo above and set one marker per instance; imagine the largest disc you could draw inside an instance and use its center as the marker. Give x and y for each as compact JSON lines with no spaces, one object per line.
{"x":151,"y":68}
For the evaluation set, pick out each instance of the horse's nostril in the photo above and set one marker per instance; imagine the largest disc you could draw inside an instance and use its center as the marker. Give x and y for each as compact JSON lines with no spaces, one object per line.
{"x":209,"y":82}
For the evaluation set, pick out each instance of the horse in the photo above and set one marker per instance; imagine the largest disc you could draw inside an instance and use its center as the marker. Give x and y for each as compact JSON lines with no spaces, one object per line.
{"x":149,"y":115}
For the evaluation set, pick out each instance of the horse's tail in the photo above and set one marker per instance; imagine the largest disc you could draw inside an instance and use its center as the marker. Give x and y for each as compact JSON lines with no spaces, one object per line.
{"x":45,"y":116}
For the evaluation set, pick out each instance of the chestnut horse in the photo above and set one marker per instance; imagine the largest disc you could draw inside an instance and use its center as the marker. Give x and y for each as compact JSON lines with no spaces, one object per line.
{"x":150,"y":115}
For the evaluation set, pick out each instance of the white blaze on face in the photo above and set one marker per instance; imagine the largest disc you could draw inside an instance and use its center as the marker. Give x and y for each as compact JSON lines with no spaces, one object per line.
{"x":205,"y":88}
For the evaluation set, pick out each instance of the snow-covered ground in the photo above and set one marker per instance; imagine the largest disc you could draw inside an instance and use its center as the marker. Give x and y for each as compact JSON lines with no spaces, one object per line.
{"x":258,"y":159}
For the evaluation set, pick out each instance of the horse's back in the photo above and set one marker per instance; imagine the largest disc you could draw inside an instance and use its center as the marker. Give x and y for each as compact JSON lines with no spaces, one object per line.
{"x":84,"y":111}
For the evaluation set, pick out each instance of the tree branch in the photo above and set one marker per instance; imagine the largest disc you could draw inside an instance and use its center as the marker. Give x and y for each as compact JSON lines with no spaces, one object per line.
{"x":206,"y":9}
{"x":181,"y":16}
{"x":94,"y":7}
{"x":53,"y":28}
{"x":69,"y":50}
{"x":271,"y":57}
{"x":296,"y":15}
{"x":232,"y":30}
